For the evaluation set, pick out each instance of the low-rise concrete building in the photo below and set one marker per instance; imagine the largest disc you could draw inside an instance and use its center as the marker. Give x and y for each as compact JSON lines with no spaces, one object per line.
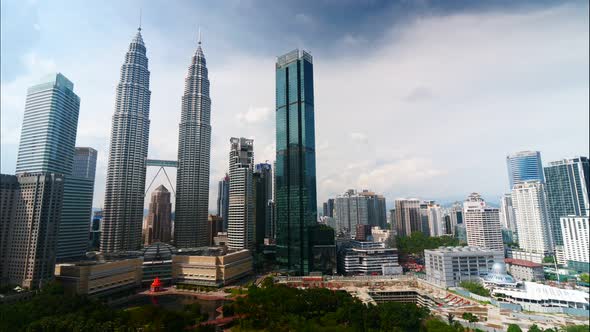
{"x":98,"y":278}
{"x":448,"y":266}
{"x":366,"y":258}
{"x":210,"y":266}
{"x":524,"y":270}
{"x":157,"y":262}
{"x":207,"y":266}
{"x":525,"y":255}
{"x":538,"y":297}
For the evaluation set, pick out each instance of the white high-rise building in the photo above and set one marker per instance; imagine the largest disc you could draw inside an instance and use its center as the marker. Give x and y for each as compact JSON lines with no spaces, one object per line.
{"x":482,"y":223}
{"x":575,"y":241}
{"x":529,"y":200}
{"x":435,"y":219}
{"x":241,"y":195}
{"x":507,"y":217}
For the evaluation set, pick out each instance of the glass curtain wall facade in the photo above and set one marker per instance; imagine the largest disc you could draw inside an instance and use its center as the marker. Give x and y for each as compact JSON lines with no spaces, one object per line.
{"x":524,"y":166}
{"x":74,"y":225}
{"x":568,"y":191}
{"x":50,"y":124}
{"x":262,"y":179}
{"x":296,"y":206}
{"x":223,"y":201}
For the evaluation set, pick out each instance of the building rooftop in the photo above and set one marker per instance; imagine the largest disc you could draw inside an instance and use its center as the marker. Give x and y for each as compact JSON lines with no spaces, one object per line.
{"x":202,"y":251}
{"x":536,"y":291}
{"x":158,"y":252}
{"x":461,"y":249}
{"x":521,"y":262}
{"x":498,"y":276}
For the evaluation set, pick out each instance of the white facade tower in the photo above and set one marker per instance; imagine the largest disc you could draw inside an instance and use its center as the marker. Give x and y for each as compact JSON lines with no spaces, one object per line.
{"x":532,"y":218}
{"x":482,"y":223}
{"x":241,"y":195}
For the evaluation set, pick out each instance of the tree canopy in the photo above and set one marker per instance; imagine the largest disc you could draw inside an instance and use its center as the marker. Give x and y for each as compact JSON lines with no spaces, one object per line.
{"x":475,"y":288}
{"x":52,"y":310}
{"x":417,"y":242}
{"x":281,"y":308}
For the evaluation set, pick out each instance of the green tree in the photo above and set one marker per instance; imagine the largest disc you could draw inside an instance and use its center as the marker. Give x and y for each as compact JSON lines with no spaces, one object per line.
{"x":471,"y":318}
{"x":577,"y":328}
{"x":535,"y":328}
{"x":585,"y":277}
{"x":450,"y":318}
{"x":514,"y":328}
{"x":417,"y":242}
{"x":475,"y":288}
{"x":435,"y":325}
{"x":548,"y":259}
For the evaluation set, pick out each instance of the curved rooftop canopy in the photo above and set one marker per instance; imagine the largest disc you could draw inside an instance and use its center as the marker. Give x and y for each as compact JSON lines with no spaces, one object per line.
{"x":158,"y":251}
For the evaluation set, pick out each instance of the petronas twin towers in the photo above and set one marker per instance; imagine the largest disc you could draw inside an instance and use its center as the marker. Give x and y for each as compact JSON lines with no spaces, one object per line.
{"x":124,"y":195}
{"x":194,"y":151}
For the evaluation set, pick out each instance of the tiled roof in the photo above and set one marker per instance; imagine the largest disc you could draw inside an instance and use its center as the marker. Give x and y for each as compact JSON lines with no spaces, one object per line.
{"x":521,"y":262}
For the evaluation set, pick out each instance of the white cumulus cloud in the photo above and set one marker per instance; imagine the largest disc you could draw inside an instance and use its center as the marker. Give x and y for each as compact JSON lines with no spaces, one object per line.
{"x":255,"y":115}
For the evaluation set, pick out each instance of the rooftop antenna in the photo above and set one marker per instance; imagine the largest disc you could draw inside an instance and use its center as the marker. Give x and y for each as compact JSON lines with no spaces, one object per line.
{"x":199,"y":36}
{"x":139,"y":29}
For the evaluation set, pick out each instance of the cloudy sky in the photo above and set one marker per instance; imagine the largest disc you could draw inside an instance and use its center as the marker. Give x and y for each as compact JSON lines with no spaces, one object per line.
{"x":413,"y":98}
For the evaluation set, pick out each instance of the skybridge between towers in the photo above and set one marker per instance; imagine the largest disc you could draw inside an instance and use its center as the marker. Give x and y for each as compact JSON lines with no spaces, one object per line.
{"x":162,"y":164}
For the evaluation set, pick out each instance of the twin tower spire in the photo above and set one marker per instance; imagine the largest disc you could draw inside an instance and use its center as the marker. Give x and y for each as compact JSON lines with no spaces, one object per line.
{"x":125,"y":187}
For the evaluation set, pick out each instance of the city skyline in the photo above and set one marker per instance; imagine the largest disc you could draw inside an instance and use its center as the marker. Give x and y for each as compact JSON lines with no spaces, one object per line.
{"x":392,"y":164}
{"x":407,"y":170}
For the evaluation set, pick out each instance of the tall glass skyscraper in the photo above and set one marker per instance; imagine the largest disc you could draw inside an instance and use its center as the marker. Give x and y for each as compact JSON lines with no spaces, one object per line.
{"x":124,"y":194}
{"x":568,"y":191}
{"x":295,"y":187}
{"x":194,"y":154}
{"x":50,"y":124}
{"x":223,"y":200}
{"x":74,"y":226}
{"x":262,"y":183}
{"x":524,"y":166}
{"x":48,"y":145}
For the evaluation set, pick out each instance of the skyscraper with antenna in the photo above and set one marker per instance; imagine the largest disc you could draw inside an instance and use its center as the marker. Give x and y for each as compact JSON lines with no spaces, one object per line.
{"x":194,"y":150}
{"x":125,"y":185}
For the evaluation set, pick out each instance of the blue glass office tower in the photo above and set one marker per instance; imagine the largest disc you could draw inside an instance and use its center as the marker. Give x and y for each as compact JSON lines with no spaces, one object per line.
{"x":568,"y":191}
{"x":295,"y":186}
{"x":50,"y":124}
{"x":524,"y":166}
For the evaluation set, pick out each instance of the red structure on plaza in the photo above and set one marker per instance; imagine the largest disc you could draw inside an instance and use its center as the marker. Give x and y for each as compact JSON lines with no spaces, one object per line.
{"x":156,"y":285}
